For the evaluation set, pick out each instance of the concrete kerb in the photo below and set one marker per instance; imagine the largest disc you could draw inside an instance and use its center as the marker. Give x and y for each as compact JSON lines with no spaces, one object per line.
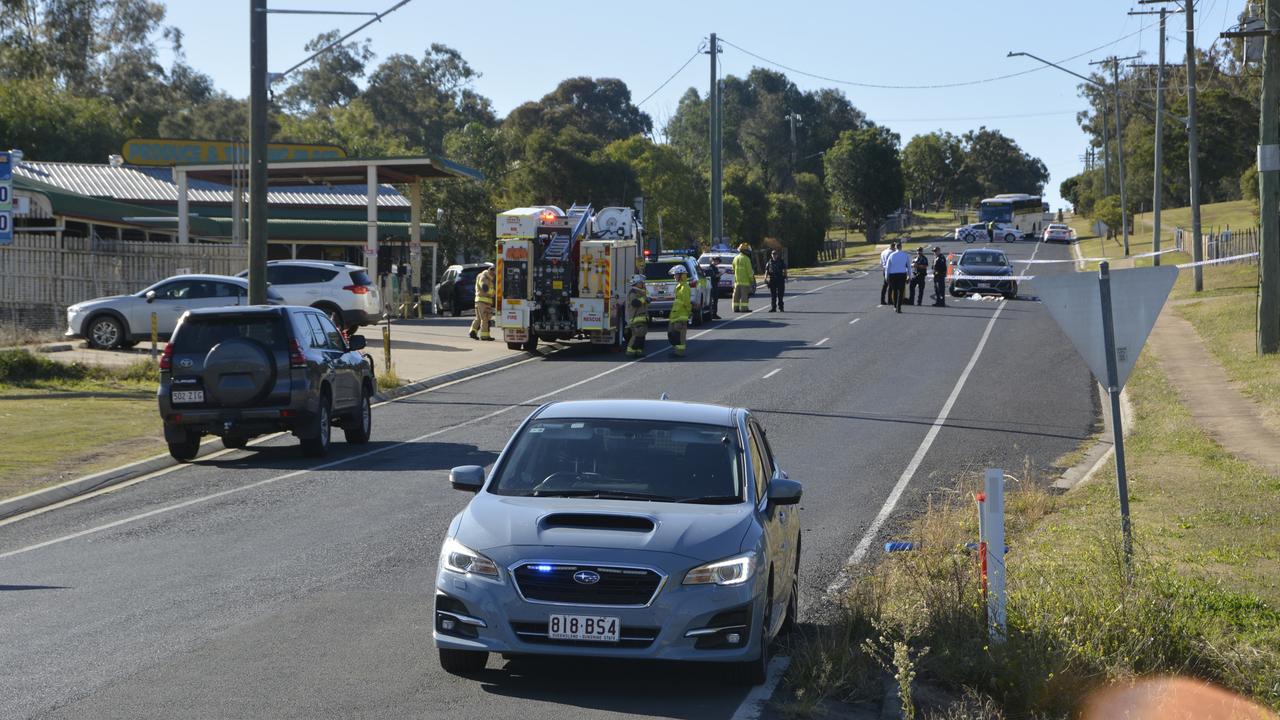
{"x":115,"y":476}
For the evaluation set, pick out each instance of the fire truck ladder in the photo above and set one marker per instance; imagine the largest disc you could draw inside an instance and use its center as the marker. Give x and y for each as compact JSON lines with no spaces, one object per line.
{"x":561,"y":246}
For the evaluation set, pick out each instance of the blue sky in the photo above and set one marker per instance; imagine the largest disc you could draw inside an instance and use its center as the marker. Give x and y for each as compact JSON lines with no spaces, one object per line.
{"x":523,"y":49}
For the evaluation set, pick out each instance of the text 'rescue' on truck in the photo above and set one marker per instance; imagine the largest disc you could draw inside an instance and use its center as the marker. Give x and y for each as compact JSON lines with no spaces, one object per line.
{"x":563,"y":275}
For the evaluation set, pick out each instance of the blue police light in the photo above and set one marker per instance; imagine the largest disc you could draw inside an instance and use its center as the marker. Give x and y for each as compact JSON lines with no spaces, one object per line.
{"x":542,"y":568}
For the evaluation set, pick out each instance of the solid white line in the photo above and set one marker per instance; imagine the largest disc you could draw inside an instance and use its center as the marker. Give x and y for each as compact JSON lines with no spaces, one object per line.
{"x":753,"y":704}
{"x":860,"y":551}
{"x":771,"y":373}
{"x":823,"y":340}
{"x":342,"y":461}
{"x":854,"y":320}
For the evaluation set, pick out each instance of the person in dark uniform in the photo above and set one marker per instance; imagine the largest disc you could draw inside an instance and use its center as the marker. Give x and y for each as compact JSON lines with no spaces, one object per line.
{"x":713,"y":272}
{"x":775,"y":276}
{"x":991,"y":231}
{"x":939,"y":278}
{"x":919,"y":269}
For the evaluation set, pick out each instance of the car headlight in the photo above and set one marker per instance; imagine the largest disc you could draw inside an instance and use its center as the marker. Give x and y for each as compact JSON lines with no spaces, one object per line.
{"x":461,"y":559}
{"x":730,"y":571}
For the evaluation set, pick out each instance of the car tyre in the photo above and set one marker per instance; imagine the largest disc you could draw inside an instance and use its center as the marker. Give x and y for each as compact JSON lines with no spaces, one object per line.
{"x":515,"y":346}
{"x":462,"y":662}
{"x":970,"y":237}
{"x":359,"y":425}
{"x":105,"y":332}
{"x":755,"y":671}
{"x":1010,"y":238}
{"x":235,"y":442}
{"x":319,"y":435}
{"x":531,"y":345}
{"x":186,"y":449}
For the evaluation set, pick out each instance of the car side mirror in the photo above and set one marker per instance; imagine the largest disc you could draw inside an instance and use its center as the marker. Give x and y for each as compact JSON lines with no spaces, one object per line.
{"x":784,"y":491}
{"x":151,"y":296}
{"x":357,"y":342}
{"x":467,"y":477}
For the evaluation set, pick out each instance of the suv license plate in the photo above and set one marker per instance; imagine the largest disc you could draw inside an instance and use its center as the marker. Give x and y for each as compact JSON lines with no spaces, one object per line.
{"x":186,"y":396}
{"x":583,"y":627}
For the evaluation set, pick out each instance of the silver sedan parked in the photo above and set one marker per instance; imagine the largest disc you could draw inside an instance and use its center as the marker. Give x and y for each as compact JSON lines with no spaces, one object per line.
{"x":123,"y":320}
{"x":623,"y":528}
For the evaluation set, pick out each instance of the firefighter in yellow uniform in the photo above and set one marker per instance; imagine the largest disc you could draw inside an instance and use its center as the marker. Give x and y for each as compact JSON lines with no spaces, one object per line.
{"x":637,"y":315}
{"x":743,"y":276}
{"x":484,"y":304}
{"x":681,"y":310}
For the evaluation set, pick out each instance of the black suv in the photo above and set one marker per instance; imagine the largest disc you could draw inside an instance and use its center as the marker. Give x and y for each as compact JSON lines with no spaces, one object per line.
{"x":457,"y":289}
{"x":238,"y":372}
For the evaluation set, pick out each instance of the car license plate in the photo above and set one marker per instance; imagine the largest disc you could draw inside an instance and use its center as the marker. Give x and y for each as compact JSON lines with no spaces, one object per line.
{"x":186,"y":396}
{"x":583,"y":627}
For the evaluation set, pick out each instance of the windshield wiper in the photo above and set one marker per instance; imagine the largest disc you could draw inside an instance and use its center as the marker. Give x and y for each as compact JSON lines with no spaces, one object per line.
{"x":711,"y":499}
{"x":602,"y":495}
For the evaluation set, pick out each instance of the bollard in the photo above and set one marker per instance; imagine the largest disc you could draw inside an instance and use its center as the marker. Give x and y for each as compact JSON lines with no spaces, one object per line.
{"x":993,"y":564}
{"x":155,"y":335}
{"x":386,"y":346}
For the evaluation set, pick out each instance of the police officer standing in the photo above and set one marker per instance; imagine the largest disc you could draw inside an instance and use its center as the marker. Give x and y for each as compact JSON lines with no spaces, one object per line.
{"x":775,"y":276}
{"x":484,"y":304}
{"x":919,"y":269}
{"x":713,"y":273}
{"x":681,"y":310}
{"x":743,"y":276}
{"x":636,"y":314}
{"x":939,"y":278}
{"x":991,"y":231}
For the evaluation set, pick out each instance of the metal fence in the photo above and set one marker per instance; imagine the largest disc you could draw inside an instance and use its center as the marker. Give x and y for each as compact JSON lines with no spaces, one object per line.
{"x":41,"y":274}
{"x":1225,"y":243}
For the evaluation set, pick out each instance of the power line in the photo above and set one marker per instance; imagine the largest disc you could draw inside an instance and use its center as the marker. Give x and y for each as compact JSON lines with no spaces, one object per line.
{"x":695,"y":54}
{"x":937,"y":86}
{"x":981,"y":117}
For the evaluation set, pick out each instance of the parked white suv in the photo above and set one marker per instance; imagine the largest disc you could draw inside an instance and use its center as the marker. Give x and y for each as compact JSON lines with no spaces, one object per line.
{"x":344,"y":292}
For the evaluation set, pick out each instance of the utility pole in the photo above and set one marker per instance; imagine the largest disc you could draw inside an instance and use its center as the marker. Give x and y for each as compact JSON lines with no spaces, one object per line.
{"x":1157,"y":195}
{"x":1114,"y":62}
{"x":717,"y":181}
{"x":1106,"y":156}
{"x":257,"y":152}
{"x":793,"y":118}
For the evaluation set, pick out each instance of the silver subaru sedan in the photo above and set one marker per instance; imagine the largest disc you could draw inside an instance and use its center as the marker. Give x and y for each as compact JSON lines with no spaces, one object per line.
{"x":623,"y":528}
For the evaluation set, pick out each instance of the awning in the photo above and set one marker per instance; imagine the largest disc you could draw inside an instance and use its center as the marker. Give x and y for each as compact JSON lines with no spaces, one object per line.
{"x":401,"y":170}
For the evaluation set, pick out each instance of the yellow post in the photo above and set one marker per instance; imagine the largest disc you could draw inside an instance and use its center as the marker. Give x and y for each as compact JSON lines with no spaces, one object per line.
{"x":155,"y":335}
{"x":386,"y":346}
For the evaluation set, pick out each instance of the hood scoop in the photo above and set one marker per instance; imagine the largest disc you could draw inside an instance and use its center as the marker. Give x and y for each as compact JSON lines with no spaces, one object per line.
{"x":598,"y":521}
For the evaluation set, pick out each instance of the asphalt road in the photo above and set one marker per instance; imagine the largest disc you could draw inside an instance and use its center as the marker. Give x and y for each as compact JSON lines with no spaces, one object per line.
{"x":263,"y":584}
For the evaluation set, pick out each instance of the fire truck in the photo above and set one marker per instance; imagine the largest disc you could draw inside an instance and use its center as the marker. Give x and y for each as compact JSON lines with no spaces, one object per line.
{"x":564,"y":275}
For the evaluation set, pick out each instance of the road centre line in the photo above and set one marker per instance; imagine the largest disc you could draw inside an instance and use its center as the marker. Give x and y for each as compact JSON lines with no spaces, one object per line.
{"x":854,"y":320}
{"x":860,"y":551}
{"x":377,"y":451}
{"x":823,"y":340}
{"x":771,"y":373}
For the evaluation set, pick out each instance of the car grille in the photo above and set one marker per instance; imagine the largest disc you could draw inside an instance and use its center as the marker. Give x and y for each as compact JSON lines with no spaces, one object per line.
{"x":628,"y":637}
{"x":539,"y":582}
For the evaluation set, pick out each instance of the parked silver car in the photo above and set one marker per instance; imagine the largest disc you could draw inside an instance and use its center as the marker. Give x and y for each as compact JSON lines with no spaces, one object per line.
{"x":123,"y":320}
{"x":623,"y":528}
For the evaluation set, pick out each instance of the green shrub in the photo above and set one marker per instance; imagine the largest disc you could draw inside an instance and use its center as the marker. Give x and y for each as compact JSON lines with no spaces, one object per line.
{"x":20,"y":367}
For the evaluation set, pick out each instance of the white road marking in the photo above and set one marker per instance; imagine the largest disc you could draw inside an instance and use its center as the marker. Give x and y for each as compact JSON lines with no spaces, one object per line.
{"x":854,"y":320}
{"x":771,"y":373}
{"x":753,"y":704}
{"x":860,"y":551}
{"x":378,"y":451}
{"x":823,"y":340}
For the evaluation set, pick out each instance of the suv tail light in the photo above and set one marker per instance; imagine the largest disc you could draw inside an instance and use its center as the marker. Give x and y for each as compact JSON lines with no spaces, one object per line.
{"x":166,"y":357}
{"x":357,"y":289}
{"x":296,"y":358}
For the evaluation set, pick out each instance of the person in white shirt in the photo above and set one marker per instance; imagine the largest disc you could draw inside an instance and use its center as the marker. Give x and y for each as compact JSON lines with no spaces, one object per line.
{"x":884,"y":261}
{"x":897,"y":265}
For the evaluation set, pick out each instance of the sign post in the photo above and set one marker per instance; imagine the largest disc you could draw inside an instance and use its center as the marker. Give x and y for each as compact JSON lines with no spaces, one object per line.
{"x":1084,"y":306}
{"x":992,"y":545}
{"x":6,"y":198}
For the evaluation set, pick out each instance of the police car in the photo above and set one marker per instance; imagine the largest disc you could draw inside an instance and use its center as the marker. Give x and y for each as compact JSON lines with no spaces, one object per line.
{"x":977,"y":232}
{"x":662,"y":288}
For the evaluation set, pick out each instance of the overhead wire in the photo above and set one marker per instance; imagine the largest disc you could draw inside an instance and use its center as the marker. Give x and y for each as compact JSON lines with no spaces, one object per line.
{"x":696,"y":53}
{"x":932,"y":86}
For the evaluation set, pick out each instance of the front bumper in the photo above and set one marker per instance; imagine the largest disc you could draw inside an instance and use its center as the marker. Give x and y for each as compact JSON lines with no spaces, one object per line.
{"x":682,"y":622}
{"x":978,"y":286}
{"x":358,"y":317}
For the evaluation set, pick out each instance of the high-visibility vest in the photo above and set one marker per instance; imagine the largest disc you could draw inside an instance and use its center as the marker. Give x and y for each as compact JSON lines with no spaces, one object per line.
{"x":484,"y":287}
{"x":743,"y":274}
{"x":637,"y":310}
{"x":682,"y":308}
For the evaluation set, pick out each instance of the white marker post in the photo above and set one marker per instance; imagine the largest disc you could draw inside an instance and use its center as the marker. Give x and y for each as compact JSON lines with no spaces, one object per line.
{"x":993,"y":537}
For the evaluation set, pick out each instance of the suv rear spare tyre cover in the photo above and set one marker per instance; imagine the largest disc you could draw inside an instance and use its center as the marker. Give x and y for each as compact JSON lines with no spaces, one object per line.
{"x":238,"y":372}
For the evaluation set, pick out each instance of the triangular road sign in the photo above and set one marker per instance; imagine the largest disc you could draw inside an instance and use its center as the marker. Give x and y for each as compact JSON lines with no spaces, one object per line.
{"x":1137,"y":295}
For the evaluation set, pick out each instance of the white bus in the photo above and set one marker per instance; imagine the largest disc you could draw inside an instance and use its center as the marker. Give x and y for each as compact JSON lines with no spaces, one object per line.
{"x":1022,"y":211}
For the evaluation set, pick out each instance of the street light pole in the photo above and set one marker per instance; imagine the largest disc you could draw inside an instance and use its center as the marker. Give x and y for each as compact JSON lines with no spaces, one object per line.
{"x":1114,"y":62}
{"x":257,"y":152}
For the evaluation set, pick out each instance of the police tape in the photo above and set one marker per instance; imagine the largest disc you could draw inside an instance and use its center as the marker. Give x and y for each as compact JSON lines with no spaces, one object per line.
{"x":961,"y":276}
{"x":1093,"y":259}
{"x":1217,"y":261}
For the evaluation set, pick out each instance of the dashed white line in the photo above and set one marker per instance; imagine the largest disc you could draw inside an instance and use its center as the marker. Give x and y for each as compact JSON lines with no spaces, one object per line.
{"x":771,"y":373}
{"x":854,"y":320}
{"x":823,"y":340}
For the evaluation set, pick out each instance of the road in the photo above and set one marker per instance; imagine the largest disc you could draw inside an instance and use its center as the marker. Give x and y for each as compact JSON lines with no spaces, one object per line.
{"x":262,"y":584}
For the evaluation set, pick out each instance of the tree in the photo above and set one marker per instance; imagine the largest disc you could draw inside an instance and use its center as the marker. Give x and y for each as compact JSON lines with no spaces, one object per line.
{"x":817,"y":216}
{"x":672,"y":189}
{"x":753,"y":205}
{"x":786,"y":223}
{"x":1000,"y":166}
{"x":52,"y":124}
{"x":330,"y":79}
{"x":421,"y":101}
{"x":600,"y":108}
{"x":1107,"y":210}
{"x":864,"y":175}
{"x":927,"y":169}
{"x":565,"y":168}
{"x":353,"y":127}
{"x":466,"y":206}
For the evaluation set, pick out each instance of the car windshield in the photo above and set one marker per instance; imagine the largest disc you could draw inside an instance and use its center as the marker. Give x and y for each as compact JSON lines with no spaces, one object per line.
{"x":610,"y":458}
{"x":200,"y":333}
{"x":659,"y":270}
{"x":998,"y":213}
{"x":983,"y":258}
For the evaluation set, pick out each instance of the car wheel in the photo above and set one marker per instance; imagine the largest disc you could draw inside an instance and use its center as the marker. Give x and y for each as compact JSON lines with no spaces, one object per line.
{"x":359,"y":425}
{"x":462,"y":662}
{"x":234,"y":442}
{"x":1010,"y":238}
{"x":105,"y":332}
{"x":515,"y":346}
{"x":531,"y":345}
{"x":186,"y":449}
{"x":334,"y":314}
{"x":970,"y":237}
{"x":793,"y":603}
{"x":317,"y":442}
{"x":455,"y":310}
{"x":754,"y":672}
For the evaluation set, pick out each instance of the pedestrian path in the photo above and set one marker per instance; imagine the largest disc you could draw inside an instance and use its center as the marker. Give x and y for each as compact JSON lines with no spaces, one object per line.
{"x":1217,"y":405}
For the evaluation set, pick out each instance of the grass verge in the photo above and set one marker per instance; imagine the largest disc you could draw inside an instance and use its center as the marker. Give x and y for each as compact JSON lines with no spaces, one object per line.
{"x":63,"y":421}
{"x":1204,"y":601}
